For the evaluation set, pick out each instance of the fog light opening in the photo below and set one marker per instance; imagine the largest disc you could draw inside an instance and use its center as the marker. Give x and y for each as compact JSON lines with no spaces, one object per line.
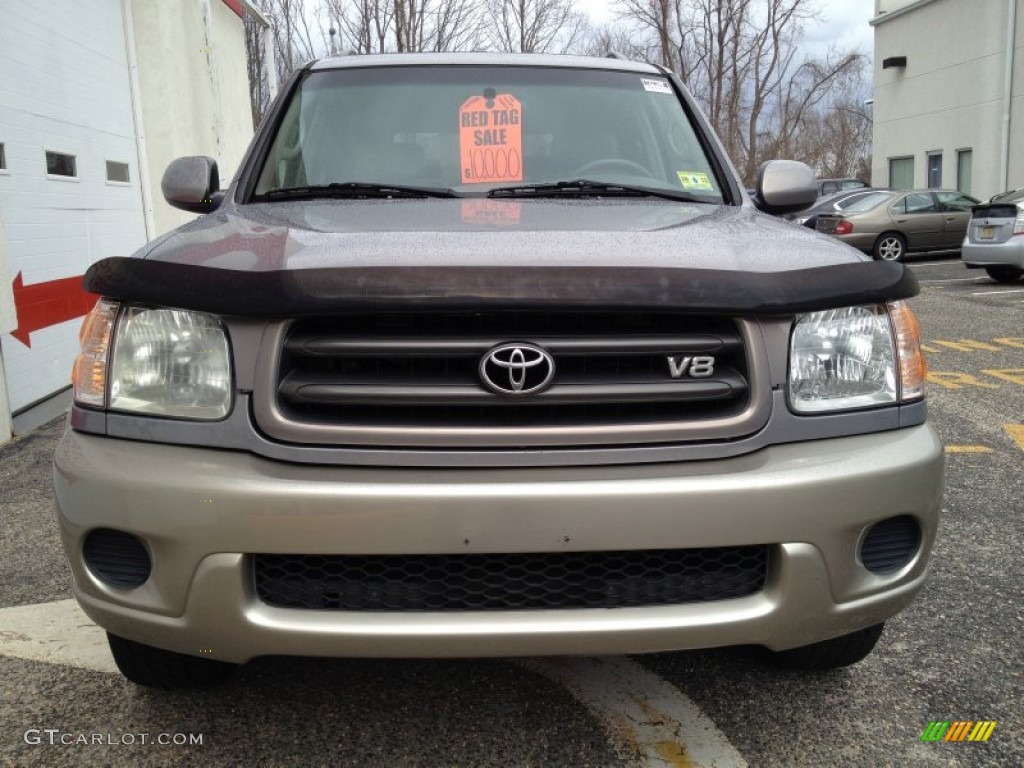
{"x":891,"y":544}
{"x":116,"y":558}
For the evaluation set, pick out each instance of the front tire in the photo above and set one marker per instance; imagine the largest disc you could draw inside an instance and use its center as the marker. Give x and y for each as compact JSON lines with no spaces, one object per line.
{"x":1004,"y":274}
{"x":157,"y":668}
{"x":891,"y":246}
{"x":830,"y":654}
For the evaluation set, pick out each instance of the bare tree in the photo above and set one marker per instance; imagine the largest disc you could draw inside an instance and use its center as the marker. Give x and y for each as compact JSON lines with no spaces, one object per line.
{"x":366,"y":26}
{"x":664,"y":20}
{"x":256,"y":54}
{"x":836,"y":136}
{"x":294,"y":40}
{"x":436,"y":25}
{"x":534,"y":26}
{"x":381,"y":26}
{"x":297,"y":37}
{"x":457,"y":26}
{"x":616,"y":38}
{"x":741,"y":59}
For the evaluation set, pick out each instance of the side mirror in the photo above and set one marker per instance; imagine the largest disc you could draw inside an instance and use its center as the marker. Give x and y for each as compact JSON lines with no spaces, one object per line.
{"x":192,"y":183}
{"x":785,"y":186}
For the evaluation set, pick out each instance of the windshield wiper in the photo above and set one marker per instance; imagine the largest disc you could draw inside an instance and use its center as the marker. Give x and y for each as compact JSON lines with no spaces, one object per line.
{"x":589,"y":188}
{"x":352,"y":189}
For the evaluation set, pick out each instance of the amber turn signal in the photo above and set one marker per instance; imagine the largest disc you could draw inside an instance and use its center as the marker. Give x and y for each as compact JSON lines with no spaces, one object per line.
{"x":89,"y":372}
{"x":912,"y":366}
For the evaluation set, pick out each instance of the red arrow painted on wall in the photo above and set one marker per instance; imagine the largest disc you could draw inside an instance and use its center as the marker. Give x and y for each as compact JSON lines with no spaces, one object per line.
{"x":44,"y":304}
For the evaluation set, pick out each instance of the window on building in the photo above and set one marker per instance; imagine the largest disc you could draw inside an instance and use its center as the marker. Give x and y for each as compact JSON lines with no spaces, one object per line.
{"x":964,"y":169}
{"x":117,"y":172}
{"x":935,"y":170}
{"x":901,"y":172}
{"x":59,"y":164}
{"x":3,"y":158}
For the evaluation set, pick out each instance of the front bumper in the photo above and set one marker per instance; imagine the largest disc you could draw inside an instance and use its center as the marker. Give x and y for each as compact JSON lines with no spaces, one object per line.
{"x":202,"y":512}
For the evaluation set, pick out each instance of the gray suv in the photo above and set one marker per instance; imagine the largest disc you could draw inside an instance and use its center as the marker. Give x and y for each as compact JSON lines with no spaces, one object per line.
{"x":488,"y":355}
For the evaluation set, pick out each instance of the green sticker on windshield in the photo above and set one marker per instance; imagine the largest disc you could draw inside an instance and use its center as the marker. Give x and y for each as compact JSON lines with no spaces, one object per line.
{"x":694,"y":180}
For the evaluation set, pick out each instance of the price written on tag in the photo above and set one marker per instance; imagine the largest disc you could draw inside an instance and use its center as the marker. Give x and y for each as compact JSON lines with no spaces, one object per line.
{"x":491,"y":139}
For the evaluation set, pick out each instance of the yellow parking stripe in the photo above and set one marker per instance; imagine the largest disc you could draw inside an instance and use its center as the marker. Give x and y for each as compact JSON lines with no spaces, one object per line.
{"x":1016,"y":433}
{"x":968,"y":449}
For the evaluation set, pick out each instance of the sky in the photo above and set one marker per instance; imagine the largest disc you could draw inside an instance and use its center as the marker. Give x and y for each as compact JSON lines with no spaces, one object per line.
{"x":843,"y":22}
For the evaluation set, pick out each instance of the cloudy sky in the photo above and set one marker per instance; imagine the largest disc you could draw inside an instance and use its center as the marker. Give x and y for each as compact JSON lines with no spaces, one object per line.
{"x":843,"y":22}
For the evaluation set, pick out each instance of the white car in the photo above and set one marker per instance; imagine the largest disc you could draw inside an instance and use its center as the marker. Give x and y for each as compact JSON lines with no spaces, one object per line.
{"x":995,"y":238}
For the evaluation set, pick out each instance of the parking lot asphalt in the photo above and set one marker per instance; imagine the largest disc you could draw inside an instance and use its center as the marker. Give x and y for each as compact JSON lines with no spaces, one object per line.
{"x":955,"y":654}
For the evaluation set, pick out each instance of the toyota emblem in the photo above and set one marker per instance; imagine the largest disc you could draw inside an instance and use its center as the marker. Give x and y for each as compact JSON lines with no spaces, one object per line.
{"x":517,"y":369}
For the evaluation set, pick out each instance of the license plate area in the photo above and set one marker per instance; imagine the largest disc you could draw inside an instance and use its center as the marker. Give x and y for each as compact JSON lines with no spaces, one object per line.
{"x":987,"y":233}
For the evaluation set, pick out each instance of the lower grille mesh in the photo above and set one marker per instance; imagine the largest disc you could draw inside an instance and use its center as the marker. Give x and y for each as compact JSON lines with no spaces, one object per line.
{"x":497,"y":582}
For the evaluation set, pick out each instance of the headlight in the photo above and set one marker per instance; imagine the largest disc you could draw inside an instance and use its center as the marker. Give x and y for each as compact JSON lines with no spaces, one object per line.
{"x":171,"y":362}
{"x":855,"y":357}
{"x":168,"y":362}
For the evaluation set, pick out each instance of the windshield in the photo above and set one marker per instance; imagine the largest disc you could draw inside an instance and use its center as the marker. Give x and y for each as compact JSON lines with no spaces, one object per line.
{"x":471,"y":129}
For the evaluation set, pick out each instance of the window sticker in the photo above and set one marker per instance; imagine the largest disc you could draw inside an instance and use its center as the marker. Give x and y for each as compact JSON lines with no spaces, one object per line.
{"x":656,"y":86}
{"x":694,"y":180}
{"x":491,"y":138}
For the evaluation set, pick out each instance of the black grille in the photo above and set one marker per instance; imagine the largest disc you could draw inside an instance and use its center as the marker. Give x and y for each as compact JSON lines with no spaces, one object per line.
{"x":422,"y":369}
{"x":890,"y":544}
{"x":501,"y":582}
{"x":117,"y":558}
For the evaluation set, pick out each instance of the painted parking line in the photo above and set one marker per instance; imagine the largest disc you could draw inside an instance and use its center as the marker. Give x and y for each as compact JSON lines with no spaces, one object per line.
{"x":641,"y":712}
{"x":953,"y":280}
{"x":968,"y":449}
{"x":994,"y":293}
{"x":57,"y":633}
{"x":1016,"y":433}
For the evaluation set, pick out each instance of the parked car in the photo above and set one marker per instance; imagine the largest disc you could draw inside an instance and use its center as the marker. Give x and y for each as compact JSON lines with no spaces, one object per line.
{"x":837,"y":202}
{"x":831,"y":186}
{"x":1012,"y":196}
{"x":995,"y":237}
{"x":490,"y":355}
{"x":891,"y":225}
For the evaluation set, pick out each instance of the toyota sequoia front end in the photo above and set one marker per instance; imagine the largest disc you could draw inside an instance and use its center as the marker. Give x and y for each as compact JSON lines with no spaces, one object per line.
{"x":490,"y":356}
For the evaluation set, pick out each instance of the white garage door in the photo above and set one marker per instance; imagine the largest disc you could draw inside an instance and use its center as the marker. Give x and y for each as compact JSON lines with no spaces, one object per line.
{"x":69,"y":182}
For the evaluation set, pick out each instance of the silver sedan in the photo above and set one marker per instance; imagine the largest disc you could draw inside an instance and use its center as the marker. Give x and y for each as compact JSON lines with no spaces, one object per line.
{"x":995,"y":238}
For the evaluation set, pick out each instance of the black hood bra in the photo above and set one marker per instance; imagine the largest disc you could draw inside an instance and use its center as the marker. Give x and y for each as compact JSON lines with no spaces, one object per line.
{"x":336,"y":290}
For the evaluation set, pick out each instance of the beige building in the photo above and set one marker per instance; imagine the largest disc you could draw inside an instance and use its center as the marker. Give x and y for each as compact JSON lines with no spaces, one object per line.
{"x":949,"y":95}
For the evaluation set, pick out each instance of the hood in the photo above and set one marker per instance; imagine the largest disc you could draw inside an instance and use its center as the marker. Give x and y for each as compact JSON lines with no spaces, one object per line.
{"x":294,"y":260}
{"x":474,"y":232}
